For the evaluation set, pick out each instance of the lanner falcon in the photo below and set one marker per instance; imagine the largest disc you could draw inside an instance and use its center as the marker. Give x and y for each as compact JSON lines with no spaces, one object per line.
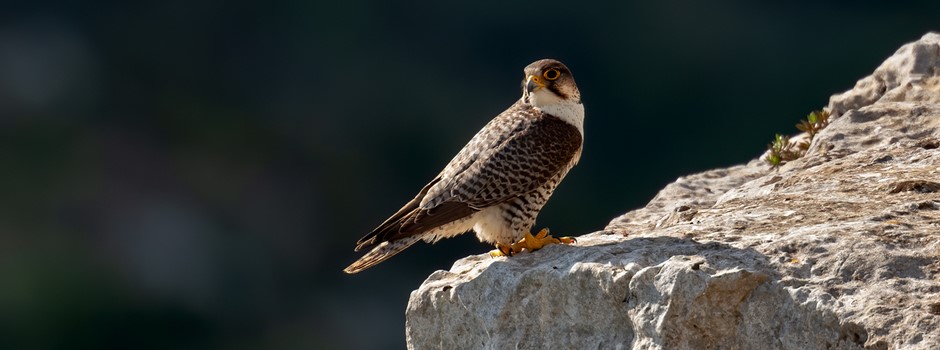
{"x":499,"y":181}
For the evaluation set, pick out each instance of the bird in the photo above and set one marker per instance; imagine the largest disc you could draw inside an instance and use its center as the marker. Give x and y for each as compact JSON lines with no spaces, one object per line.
{"x":497,"y":184}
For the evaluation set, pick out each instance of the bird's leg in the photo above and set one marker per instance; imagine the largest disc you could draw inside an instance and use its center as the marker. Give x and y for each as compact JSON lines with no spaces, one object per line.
{"x":531,"y":243}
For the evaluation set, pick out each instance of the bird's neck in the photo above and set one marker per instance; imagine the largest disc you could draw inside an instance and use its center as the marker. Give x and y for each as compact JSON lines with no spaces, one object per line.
{"x":568,"y":111}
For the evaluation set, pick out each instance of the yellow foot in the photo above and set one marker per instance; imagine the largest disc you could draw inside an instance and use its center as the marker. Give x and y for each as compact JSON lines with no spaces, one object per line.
{"x":532,"y":243}
{"x":501,"y":250}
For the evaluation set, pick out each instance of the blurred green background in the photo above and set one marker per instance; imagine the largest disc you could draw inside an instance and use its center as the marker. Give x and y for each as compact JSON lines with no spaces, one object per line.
{"x":188,"y":175}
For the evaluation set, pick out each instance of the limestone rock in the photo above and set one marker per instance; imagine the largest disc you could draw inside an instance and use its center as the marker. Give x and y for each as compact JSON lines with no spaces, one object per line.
{"x":910,"y":75}
{"x":839,"y":249}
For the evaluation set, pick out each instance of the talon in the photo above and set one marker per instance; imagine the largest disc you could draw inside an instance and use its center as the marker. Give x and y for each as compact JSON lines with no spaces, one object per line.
{"x":502,"y":250}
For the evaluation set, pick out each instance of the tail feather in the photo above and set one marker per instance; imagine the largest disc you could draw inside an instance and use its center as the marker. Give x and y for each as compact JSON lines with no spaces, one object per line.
{"x":380,"y":253}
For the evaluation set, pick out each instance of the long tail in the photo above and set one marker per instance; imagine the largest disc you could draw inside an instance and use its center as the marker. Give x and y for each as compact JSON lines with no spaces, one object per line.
{"x":380,"y":253}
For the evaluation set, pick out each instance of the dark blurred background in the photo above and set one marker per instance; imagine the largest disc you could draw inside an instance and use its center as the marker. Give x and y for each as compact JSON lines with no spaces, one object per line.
{"x":188,"y":175}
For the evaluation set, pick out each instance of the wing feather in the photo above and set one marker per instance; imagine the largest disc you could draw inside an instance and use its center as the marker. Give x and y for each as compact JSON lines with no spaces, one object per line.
{"x":537,"y":148}
{"x":411,"y":219}
{"x":516,"y":153}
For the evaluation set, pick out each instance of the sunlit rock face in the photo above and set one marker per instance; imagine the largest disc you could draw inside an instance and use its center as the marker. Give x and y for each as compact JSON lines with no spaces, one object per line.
{"x":839,"y":249}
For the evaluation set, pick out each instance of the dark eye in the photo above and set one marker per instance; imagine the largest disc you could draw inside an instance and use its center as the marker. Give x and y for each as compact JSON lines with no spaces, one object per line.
{"x":551,"y":74}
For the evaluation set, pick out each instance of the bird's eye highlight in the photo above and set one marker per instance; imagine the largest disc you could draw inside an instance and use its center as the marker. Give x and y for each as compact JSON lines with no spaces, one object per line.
{"x":551,"y":74}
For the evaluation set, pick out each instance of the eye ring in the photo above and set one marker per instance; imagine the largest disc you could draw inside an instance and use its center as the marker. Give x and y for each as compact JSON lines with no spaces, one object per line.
{"x":551,"y":74}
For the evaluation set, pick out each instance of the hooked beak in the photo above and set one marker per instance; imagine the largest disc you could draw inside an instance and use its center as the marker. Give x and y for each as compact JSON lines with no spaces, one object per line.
{"x":533,"y":82}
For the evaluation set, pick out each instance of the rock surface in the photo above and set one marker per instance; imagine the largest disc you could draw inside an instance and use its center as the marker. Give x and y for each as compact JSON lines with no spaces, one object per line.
{"x":839,"y":249}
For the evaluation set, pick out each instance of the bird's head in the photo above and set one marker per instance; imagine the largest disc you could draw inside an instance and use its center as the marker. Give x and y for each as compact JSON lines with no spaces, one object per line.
{"x":549,"y":82}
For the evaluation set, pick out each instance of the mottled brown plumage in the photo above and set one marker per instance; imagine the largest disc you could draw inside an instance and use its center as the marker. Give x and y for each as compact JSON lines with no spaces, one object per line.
{"x":499,"y":181}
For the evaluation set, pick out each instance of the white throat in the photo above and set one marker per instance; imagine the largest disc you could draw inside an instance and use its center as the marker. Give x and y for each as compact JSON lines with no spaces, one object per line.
{"x":569,"y":111}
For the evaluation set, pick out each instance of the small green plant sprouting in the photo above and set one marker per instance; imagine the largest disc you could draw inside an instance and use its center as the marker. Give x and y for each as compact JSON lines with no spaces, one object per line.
{"x":782,"y":150}
{"x":815,"y":121}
